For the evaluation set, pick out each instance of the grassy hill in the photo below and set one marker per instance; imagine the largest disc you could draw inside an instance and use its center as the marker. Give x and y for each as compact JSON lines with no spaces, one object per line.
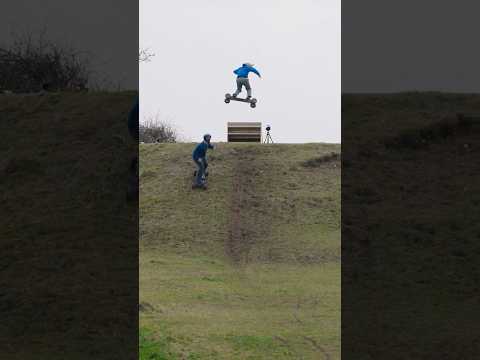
{"x":250,"y":268}
{"x":410,"y":231}
{"x":63,"y":172}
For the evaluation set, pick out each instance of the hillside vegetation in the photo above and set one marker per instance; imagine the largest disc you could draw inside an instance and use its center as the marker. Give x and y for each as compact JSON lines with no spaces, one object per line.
{"x":250,"y":268}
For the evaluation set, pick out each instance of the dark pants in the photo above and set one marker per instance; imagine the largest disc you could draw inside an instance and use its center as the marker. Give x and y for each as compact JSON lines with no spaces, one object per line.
{"x":202,"y":165}
{"x":243,"y":82}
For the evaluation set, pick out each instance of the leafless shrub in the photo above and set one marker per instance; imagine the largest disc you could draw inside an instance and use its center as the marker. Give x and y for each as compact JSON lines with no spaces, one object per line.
{"x":31,"y":63}
{"x":153,"y":130}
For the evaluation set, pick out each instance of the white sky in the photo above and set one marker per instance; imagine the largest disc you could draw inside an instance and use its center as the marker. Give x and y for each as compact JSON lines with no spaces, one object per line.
{"x":295,"y":44}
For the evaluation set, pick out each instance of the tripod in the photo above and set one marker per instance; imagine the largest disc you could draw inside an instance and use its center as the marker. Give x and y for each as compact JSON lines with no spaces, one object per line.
{"x":268,"y":138}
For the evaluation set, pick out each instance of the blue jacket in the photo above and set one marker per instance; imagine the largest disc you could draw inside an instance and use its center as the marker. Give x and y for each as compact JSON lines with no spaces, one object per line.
{"x":201,"y":150}
{"x":244,"y":70}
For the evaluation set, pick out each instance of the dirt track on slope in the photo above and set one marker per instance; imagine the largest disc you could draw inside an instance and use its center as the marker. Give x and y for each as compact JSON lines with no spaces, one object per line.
{"x":246,"y":225}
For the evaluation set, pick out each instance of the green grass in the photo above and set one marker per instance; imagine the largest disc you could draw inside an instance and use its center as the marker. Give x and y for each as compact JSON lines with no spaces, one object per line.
{"x":153,"y":349}
{"x":249,"y":269}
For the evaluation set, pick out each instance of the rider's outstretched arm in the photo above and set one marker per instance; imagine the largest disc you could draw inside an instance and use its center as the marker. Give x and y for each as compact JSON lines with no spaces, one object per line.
{"x":256,"y":71}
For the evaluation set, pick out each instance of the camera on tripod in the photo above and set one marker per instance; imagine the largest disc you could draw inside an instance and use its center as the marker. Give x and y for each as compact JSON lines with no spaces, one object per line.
{"x":268,"y":138}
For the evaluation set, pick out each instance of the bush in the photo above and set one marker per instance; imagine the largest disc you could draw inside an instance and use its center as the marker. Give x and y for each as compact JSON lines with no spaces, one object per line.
{"x":153,"y":130}
{"x":31,"y":64}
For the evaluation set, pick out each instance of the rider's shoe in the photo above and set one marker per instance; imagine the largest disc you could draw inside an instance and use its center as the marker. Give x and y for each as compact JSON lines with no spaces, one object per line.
{"x":234,"y":95}
{"x":249,"y":97}
{"x":197,"y":186}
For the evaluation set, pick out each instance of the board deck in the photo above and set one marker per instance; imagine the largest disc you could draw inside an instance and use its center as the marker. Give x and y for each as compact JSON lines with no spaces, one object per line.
{"x":243,"y":100}
{"x":252,"y":101}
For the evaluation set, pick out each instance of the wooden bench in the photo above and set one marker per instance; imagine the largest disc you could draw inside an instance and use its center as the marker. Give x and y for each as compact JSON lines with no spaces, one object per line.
{"x":244,"y":131}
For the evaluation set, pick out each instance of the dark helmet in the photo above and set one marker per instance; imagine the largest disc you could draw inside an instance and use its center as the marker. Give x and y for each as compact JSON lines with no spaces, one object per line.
{"x":207,"y":137}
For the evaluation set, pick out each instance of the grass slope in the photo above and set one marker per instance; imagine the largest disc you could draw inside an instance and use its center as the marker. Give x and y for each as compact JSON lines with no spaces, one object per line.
{"x":410,"y":201}
{"x":63,"y":172}
{"x":249,"y":269}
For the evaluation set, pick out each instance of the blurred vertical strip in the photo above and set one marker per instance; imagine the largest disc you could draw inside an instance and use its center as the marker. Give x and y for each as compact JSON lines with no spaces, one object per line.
{"x":410,"y":180}
{"x":69,"y":179}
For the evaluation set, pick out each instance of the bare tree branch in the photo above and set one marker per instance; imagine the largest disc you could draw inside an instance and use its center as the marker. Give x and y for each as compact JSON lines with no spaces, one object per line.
{"x":145,"y":55}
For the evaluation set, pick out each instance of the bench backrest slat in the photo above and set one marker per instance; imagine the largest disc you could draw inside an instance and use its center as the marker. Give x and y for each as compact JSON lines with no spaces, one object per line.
{"x":244,"y":131}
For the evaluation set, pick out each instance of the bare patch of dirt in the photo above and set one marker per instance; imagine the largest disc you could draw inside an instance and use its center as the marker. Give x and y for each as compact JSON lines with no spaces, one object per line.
{"x":246,"y":227}
{"x":318,"y":161}
{"x":145,"y":307}
{"x":433,"y":133}
{"x":317,"y":346}
{"x":285,"y":343}
{"x":323,"y":257}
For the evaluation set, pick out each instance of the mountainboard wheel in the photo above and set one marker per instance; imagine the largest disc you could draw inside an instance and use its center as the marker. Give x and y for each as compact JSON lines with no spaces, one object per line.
{"x":252,"y":105}
{"x":227,"y":101}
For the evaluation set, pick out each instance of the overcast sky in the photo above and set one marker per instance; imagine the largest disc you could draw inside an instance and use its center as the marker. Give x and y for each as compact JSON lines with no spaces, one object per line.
{"x":390,"y":46}
{"x":295,"y":45}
